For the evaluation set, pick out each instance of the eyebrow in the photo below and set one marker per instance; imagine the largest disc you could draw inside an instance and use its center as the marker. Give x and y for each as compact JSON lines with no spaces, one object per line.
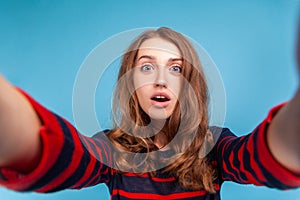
{"x":153,"y":58}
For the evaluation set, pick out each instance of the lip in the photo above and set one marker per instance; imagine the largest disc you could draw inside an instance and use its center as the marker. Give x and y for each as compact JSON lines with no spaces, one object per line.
{"x":161,"y":94}
{"x":160,"y":104}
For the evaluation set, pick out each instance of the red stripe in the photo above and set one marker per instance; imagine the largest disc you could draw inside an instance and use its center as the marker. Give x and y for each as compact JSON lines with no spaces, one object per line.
{"x":157,"y":196}
{"x":50,"y":153}
{"x":89,"y":168}
{"x":100,"y":152}
{"x":240,"y":155}
{"x":266,"y":158}
{"x":233,"y":167}
{"x":217,"y":187}
{"x":75,"y":161}
{"x":163,"y":179}
{"x":226,"y":163}
{"x":146,"y":175}
{"x":253,"y":165}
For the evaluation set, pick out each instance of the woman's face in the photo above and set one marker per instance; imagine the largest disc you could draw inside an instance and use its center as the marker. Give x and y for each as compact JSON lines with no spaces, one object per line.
{"x":158,"y":77}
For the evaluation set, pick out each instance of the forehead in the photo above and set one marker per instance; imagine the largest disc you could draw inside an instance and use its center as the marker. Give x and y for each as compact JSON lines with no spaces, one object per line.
{"x":159,"y":45}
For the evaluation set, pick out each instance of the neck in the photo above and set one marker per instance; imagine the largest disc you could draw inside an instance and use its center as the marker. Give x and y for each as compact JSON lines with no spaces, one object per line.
{"x":160,"y":138}
{"x":157,"y":124}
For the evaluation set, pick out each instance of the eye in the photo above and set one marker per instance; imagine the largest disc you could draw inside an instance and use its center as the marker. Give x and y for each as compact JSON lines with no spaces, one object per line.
{"x":146,"y":67}
{"x":176,"y":69}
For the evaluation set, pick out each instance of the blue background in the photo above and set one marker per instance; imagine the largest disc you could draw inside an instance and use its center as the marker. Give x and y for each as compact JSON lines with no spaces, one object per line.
{"x":43,"y":43}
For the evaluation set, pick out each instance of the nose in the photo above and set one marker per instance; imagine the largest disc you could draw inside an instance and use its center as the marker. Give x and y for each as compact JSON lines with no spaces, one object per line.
{"x":161,"y":80}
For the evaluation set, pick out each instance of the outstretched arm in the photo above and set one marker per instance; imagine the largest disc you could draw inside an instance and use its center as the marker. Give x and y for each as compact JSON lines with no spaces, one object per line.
{"x":20,"y":145}
{"x":284,"y":131}
{"x":41,"y":151}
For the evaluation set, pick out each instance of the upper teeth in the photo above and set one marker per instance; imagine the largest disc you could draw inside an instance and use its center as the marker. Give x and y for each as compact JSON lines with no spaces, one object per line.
{"x":160,"y":97}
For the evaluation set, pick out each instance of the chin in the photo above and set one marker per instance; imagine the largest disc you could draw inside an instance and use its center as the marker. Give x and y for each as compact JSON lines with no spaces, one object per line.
{"x":159,"y":115}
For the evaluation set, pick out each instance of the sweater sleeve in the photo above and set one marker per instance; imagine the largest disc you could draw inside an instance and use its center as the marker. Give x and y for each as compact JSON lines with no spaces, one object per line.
{"x":248,"y":160}
{"x":69,"y":159}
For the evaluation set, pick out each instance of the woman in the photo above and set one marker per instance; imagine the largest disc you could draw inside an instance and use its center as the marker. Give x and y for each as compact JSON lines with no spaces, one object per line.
{"x":161,"y":147}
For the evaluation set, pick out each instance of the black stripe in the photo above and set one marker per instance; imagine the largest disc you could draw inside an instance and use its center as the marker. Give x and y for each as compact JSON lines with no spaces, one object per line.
{"x":95,"y":169}
{"x":2,"y":177}
{"x":240,"y":175}
{"x":63,"y":160}
{"x":100,"y":167}
{"x":246,"y":160}
{"x":231,"y":146}
{"x":93,"y":174}
{"x":271,"y":180}
{"x":225,"y":157}
{"x":79,"y":172}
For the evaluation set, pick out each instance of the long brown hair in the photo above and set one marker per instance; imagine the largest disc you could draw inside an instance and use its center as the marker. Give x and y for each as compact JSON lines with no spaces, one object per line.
{"x":188,"y":122}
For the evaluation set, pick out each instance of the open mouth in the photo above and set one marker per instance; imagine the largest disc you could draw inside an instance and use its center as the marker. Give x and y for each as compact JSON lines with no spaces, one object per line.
{"x":160,"y":98}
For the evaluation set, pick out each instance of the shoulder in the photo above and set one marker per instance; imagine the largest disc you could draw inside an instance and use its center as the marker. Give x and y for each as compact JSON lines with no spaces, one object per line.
{"x":104,"y":132}
{"x":102,"y":138}
{"x":219,"y":133}
{"x":220,"y":136}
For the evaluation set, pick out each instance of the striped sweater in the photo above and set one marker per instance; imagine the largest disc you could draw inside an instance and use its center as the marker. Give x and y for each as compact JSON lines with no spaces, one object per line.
{"x":73,"y":161}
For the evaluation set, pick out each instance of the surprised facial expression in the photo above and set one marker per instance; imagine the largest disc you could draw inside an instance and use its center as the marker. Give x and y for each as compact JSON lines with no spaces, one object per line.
{"x":158,"y":77}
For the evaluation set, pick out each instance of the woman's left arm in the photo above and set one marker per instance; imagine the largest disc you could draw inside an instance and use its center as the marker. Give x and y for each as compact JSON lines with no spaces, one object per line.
{"x":283,"y":136}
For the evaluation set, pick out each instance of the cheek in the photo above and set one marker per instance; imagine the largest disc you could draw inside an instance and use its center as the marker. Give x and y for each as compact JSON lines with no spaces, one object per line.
{"x":141,"y":80}
{"x":175,"y":86}
{"x":139,"y":93}
{"x":142,"y":95}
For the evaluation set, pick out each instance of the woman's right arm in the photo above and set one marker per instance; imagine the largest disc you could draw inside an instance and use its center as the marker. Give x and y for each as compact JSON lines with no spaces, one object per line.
{"x":20,"y":144}
{"x":41,"y":151}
